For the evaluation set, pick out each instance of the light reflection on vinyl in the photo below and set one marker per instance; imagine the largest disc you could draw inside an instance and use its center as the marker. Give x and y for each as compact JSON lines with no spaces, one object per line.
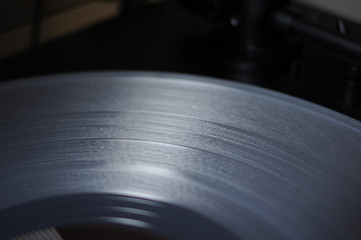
{"x":180,"y":156}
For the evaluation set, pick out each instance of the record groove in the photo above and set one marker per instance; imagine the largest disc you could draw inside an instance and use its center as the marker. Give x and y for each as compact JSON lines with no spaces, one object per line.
{"x":252,"y":163}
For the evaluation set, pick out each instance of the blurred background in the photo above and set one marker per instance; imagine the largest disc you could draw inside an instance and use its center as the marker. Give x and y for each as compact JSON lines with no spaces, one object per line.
{"x":27,"y":23}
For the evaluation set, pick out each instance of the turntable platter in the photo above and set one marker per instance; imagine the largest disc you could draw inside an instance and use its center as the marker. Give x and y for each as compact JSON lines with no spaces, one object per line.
{"x":185,"y":157}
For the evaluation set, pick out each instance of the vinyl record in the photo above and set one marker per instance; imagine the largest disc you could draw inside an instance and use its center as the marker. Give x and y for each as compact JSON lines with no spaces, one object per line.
{"x":179,"y":156}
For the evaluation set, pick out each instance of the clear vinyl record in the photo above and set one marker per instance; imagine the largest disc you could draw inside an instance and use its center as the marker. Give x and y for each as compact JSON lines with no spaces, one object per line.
{"x":181,"y":156}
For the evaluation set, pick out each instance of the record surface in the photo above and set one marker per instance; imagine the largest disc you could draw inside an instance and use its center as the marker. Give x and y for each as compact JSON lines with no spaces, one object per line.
{"x":182,"y":156}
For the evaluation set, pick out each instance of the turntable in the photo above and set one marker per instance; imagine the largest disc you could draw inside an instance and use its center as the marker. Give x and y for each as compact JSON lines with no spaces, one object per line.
{"x":111,"y":152}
